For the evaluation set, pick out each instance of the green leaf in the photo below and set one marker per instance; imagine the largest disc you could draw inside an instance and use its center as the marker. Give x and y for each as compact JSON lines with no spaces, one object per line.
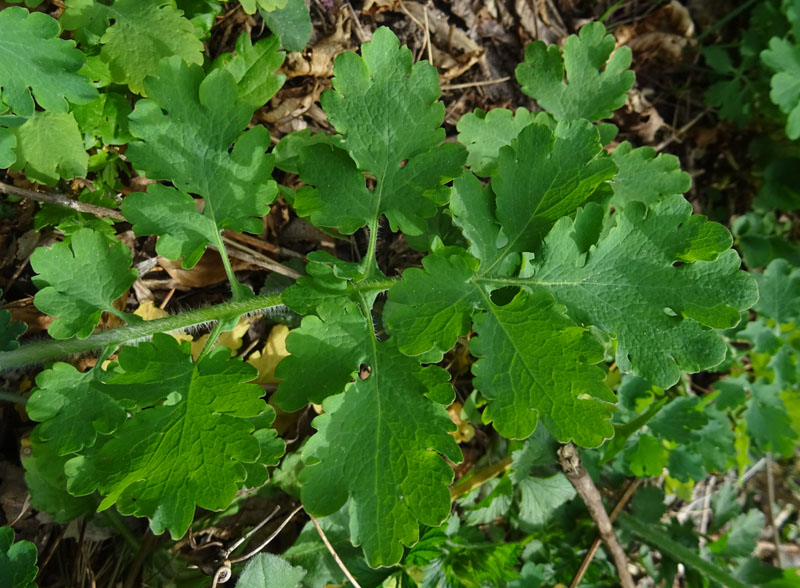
{"x":173,"y":214}
{"x":77,"y":282}
{"x":679,"y":420}
{"x":646,"y":177}
{"x":311,"y":554}
{"x":779,"y":292}
{"x":266,"y":569}
{"x":143,"y":32}
{"x":740,"y":540}
{"x":253,"y":67}
{"x":9,"y":330}
{"x":659,"y":281}
{"x":34,"y":58}
{"x":784,"y":58}
{"x":188,"y":437}
{"x":388,"y":114}
{"x":49,"y":147}
{"x":648,"y":504}
{"x":377,"y":442}
{"x":545,"y":175}
{"x":534,"y":363}
{"x":71,"y":410}
{"x":250,"y":6}
{"x":17,"y":561}
{"x":485,"y":133}
{"x":106,"y":117}
{"x":649,"y":457}
{"x":186,"y":129}
{"x":292,"y":24}
{"x":595,"y":85}
{"x":768,"y":423}
{"x":47,"y":483}
{"x":539,"y":497}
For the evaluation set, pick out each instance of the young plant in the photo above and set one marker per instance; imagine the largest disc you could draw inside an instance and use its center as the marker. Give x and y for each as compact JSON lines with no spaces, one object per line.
{"x":566,"y":258}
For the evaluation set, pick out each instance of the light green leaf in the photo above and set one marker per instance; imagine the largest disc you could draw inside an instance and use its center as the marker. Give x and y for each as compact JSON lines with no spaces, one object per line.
{"x":646,"y":177}
{"x":143,"y":32}
{"x":106,"y":117}
{"x":641,"y":283}
{"x":648,"y":457}
{"x":539,"y":497}
{"x":34,"y":58}
{"x":784,"y":58}
{"x":266,"y":569}
{"x":71,"y":410}
{"x":186,"y":442}
{"x":17,"y":561}
{"x":679,"y":421}
{"x":173,"y":214}
{"x":779,"y":292}
{"x":77,"y":282}
{"x":595,"y":85}
{"x":484,"y":133}
{"x":186,"y":128}
{"x":253,"y":67}
{"x":250,"y":6}
{"x":388,"y":115}
{"x":49,"y":147}
{"x":534,"y":363}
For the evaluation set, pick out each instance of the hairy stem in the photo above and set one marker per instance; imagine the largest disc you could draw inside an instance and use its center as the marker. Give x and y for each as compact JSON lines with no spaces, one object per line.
{"x":372,"y":262}
{"x":49,"y":350}
{"x":661,"y":541}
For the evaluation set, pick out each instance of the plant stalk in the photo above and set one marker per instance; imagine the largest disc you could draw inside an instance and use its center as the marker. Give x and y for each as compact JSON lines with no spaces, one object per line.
{"x":50,"y":350}
{"x":656,"y":538}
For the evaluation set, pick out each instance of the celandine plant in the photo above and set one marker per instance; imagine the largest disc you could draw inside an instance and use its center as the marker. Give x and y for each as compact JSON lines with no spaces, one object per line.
{"x":556,"y":254}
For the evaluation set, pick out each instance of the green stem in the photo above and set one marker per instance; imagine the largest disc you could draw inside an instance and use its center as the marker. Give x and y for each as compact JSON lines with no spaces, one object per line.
{"x":374,"y":285}
{"x":219,"y":327}
{"x":49,"y":350}
{"x":656,"y":538}
{"x":11,"y":397}
{"x":226,"y":263}
{"x":372,"y":262}
{"x":113,"y":518}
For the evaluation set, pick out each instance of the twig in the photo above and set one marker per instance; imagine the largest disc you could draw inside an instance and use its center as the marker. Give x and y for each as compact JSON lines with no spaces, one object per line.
{"x":483,"y":476}
{"x":333,"y":553}
{"x":428,"y":36}
{"x":776,"y":536}
{"x":577,"y":474}
{"x":587,"y":559}
{"x":474,"y":84}
{"x":244,"y":253}
{"x":61,"y":200}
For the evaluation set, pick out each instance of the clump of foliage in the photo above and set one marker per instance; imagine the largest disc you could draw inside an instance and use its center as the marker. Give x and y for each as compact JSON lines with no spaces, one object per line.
{"x":553,"y":256}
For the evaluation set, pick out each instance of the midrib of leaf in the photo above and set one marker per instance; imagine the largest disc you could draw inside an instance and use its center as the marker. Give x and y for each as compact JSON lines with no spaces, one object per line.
{"x":372,"y":261}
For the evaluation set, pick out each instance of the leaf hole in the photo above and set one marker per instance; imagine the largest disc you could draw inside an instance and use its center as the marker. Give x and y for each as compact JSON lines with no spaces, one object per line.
{"x":503,"y":296}
{"x":364,"y":371}
{"x":403,"y":163}
{"x":677,"y":263}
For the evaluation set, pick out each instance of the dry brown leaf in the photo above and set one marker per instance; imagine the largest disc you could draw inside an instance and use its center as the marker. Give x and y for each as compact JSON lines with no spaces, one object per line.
{"x":268,"y":358}
{"x":465,"y":431}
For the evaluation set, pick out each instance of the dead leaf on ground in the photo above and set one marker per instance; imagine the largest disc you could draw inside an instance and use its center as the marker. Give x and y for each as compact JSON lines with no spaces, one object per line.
{"x":268,"y":358}
{"x":663,"y":34}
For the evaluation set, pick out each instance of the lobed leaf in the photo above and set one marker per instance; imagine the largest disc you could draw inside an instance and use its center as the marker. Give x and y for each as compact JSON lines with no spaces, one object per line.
{"x":253,"y":67}
{"x":595,"y":85}
{"x":187,"y":440}
{"x":77,"y":282}
{"x":378,"y":440}
{"x":49,"y":147}
{"x":267,"y":569}
{"x":779,"y":292}
{"x":658,"y":281}
{"x":186,"y":129}
{"x":645,"y":176}
{"x":17,"y":561}
{"x":155,"y":28}
{"x":784,"y":58}
{"x":36,"y":61}
{"x":387,"y":112}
